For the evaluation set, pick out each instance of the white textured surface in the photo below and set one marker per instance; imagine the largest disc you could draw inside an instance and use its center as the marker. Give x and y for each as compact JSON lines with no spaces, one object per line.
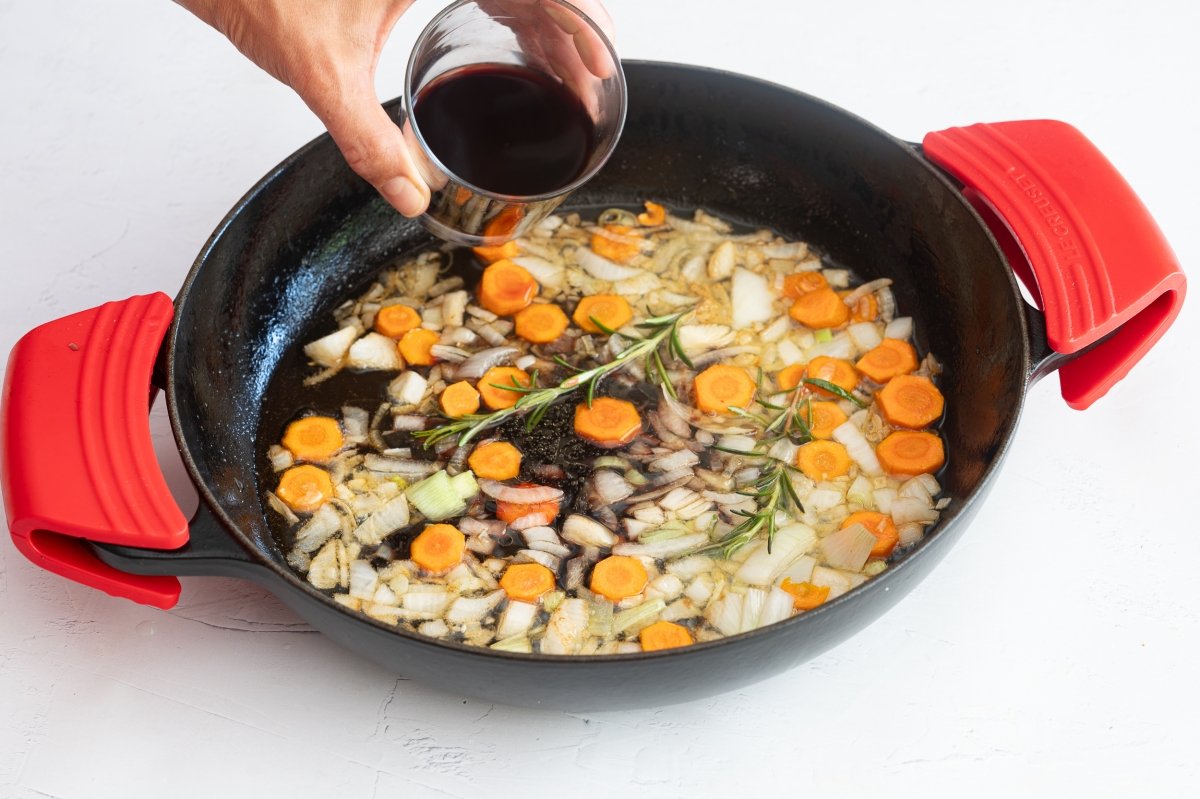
{"x":1053,"y":653}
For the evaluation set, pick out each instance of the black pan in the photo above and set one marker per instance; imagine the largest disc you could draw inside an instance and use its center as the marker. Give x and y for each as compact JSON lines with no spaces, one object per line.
{"x":311,"y":233}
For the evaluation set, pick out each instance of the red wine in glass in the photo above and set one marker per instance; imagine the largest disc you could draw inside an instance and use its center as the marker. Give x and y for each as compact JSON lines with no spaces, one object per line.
{"x":506,"y":129}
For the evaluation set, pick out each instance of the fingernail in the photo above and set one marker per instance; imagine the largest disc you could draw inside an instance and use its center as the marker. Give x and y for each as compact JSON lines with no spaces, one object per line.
{"x":404,"y":196}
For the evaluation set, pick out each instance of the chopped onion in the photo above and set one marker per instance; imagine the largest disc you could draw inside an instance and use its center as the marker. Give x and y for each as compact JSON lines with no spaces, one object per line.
{"x":848,"y":548}
{"x":530,"y":520}
{"x":795,"y":250}
{"x":453,"y":306}
{"x":910,"y":533}
{"x":363,"y":580}
{"x":676,"y":460}
{"x":525,"y":361}
{"x":445,"y":352}
{"x":752,"y":606}
{"x":699,"y":338}
{"x":434,"y":629}
{"x":779,"y":606}
{"x":822,"y":499}
{"x":408,"y":388}
{"x":331,"y":350}
{"x":469,"y":609}
{"x":281,"y":457}
{"x":385,"y":521}
{"x":726,"y":614}
{"x":374,"y":352}
{"x":840,"y":346}
{"x":527,"y":495}
{"x":585,"y":531}
{"x":609,"y":487}
{"x":907,"y":509}
{"x":884,"y":497}
{"x":474,"y":367}
{"x":428,"y":602}
{"x":663,"y":549}
{"x":544,"y":272}
{"x":800,"y":571}
{"x":865,"y":335}
{"x":283,"y":510}
{"x":665,"y":586}
{"x":860,"y":492}
{"x":407,"y":422}
{"x":637,"y":286}
{"x":870,"y":287}
{"x":899,"y":328}
{"x":737,"y":443}
{"x":566,"y":628}
{"x":603,"y":269}
{"x":721,"y":262}
{"x":551,"y":562}
{"x":635,"y":619}
{"x":406,"y":467}
{"x":317,"y":530}
{"x":518,"y":643}
{"x":838,"y":582}
{"x":763,"y":568}
{"x":751,"y":299}
{"x":516,"y":619}
{"x":859,"y":449}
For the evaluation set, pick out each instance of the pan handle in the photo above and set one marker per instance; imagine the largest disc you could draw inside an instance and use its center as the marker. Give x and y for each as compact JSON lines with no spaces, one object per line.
{"x":1078,"y":238}
{"x":78,"y":461}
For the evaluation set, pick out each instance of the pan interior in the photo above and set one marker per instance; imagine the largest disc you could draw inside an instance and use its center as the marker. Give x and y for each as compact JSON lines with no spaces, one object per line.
{"x":311,"y":234}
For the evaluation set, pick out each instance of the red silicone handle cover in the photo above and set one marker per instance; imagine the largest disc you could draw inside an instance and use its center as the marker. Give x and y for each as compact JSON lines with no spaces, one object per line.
{"x":78,"y":459}
{"x":1099,"y":262}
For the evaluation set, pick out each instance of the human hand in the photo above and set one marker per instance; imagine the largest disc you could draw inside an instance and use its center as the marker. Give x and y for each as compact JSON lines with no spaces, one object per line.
{"x":328,"y":51}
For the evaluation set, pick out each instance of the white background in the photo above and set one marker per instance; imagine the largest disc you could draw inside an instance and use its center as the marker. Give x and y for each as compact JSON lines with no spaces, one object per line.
{"x":1052,"y":653}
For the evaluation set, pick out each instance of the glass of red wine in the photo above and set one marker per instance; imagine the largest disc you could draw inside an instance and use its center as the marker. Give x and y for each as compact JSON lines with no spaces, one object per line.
{"x":512,"y":104}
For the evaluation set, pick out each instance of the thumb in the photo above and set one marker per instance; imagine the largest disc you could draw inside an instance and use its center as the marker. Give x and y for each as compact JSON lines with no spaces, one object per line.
{"x":374,"y":146}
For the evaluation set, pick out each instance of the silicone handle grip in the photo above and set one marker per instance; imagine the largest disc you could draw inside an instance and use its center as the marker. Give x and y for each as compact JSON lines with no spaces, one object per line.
{"x":78,"y":461}
{"x":1101,"y":266}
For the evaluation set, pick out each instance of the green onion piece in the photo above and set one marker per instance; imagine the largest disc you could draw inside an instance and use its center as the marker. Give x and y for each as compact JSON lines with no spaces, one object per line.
{"x":601,"y":619}
{"x":552,"y":600}
{"x":436,"y":498}
{"x":665,"y":533}
{"x":610,"y":462}
{"x":823,"y":336}
{"x":517,"y":643}
{"x":633,"y":620}
{"x":465,"y":485}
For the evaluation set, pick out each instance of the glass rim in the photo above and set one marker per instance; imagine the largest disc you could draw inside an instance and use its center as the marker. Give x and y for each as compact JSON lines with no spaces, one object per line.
{"x":584,"y":177}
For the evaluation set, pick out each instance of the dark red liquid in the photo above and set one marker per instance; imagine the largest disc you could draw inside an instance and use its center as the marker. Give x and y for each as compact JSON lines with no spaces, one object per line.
{"x":506,"y":129}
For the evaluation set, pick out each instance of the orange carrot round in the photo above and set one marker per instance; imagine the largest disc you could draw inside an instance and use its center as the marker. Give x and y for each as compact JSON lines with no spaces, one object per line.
{"x":304,"y":488}
{"x":805,"y":596}
{"x":798,"y":284}
{"x":313,"y":438}
{"x":832,"y":370}
{"x":526,"y":582}
{"x":823,"y":460}
{"x":865,"y":308}
{"x":506,"y":288}
{"x":495,"y":460}
{"x":504,"y":224}
{"x":541,"y":323}
{"x":498,"y":252}
{"x":907,"y":453}
{"x":416,"y":347}
{"x":459,"y":399}
{"x":825,"y":417}
{"x":655,"y":215}
{"x":910,"y":401}
{"x":820,"y":309}
{"x":664,"y":635}
{"x":438,"y":547}
{"x":618,"y":243}
{"x":396,"y":320}
{"x":789,"y":376}
{"x":879,"y":525}
{"x":891,"y":358}
{"x":608,"y":423}
{"x":720,"y":387}
{"x":610,"y":310}
{"x":618,"y":577}
{"x":490,"y":390}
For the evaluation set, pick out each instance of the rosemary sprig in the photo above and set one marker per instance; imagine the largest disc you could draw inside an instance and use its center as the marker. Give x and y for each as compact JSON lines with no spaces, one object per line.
{"x":773,"y":492}
{"x":536,"y":401}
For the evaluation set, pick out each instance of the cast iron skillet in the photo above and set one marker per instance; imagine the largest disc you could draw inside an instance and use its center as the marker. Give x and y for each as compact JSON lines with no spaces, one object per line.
{"x":311,"y":233}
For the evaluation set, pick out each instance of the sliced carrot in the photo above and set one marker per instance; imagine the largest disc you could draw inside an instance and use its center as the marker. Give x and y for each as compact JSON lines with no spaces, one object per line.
{"x":313,"y":438}
{"x":396,"y":320}
{"x":506,"y":288}
{"x":910,"y":401}
{"x":526,"y":582}
{"x":504,"y":224}
{"x":461,"y":195}
{"x":618,"y":243}
{"x":304,"y":488}
{"x":495,"y":460}
{"x":823,"y":460}
{"x":907,"y":453}
{"x":720,"y":387}
{"x":664,"y":635}
{"x":610,"y":310}
{"x":609,"y":423}
{"x":789,"y":376}
{"x":459,"y":399}
{"x":832,"y":370}
{"x":498,"y":398}
{"x":655,"y":215}
{"x":865,"y":308}
{"x":511,"y":511}
{"x":438,"y":547}
{"x":416,"y":346}
{"x":825,"y":416}
{"x":879,"y":525}
{"x":797,"y":284}
{"x":498,"y":252}
{"x":541,"y":322}
{"x":892,"y":357}
{"x":819,"y":309}
{"x":805,"y":596}
{"x":618,"y":577}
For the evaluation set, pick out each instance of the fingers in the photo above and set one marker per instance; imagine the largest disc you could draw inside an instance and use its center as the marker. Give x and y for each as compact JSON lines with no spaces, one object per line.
{"x":591,"y":48}
{"x":373,"y":145}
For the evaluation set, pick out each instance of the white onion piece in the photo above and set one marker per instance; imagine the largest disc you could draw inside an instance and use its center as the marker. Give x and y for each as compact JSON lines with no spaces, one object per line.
{"x":751,"y":299}
{"x":752,"y":606}
{"x":454,"y":304}
{"x":663,"y":549}
{"x":790,"y":353}
{"x":700,"y":338}
{"x":551,"y":562}
{"x":860,"y":493}
{"x":331,"y":350}
{"x":374,"y":352}
{"x":837,"y":278}
{"x":474,"y":367}
{"x":870,"y":287}
{"x":355,"y":422}
{"x":551,"y":548}
{"x":603,"y":269}
{"x":530,"y":520}
{"x":822,"y":499}
{"x":899,"y":328}
{"x":700,"y":590}
{"x":469,"y":609}
{"x":471,"y":526}
{"x":281,"y":457}
{"x":763,"y":568}
{"x":528,"y":495}
{"x":840,"y":346}
{"x":726,"y":614}
{"x":778,"y":607}
{"x":910,"y":533}
{"x":525,"y":361}
{"x":916,"y":488}
{"x":865,"y":335}
{"x":445,"y":352}
{"x":665,"y":587}
{"x":907,"y":509}
{"x":884,"y":497}
{"x":777,"y":329}
{"x":408,"y":388}
{"x":800,"y":571}
{"x":848,"y":548}
{"x":434,"y":629}
{"x":738,"y":443}
{"x":391,"y":517}
{"x":676,"y":498}
{"x":676,"y":460}
{"x":406,"y":467}
{"x":795,"y":250}
{"x":317,"y":530}
{"x":637,"y":286}
{"x":585,"y":531}
{"x":610,"y":487}
{"x":540,"y":533}
{"x":859,"y":449}
{"x":516,"y":619}
{"x":363,"y":580}
{"x":721,"y":262}
{"x":566,"y":629}
{"x":426,"y":601}
{"x":837,"y":582}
